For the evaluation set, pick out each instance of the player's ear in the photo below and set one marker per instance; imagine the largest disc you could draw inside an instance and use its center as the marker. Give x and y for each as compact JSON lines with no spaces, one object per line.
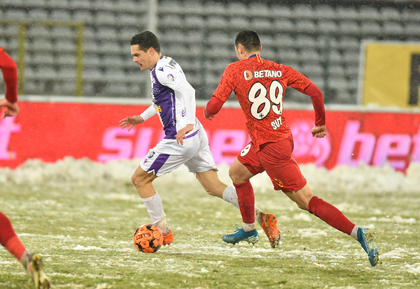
{"x":260,"y":46}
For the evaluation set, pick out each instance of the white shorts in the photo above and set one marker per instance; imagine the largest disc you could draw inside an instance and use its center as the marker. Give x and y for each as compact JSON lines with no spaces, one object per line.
{"x":168,"y":155}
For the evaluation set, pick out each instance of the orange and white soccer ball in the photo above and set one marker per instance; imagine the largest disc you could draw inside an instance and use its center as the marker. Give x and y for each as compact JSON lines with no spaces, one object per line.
{"x":148,"y":238}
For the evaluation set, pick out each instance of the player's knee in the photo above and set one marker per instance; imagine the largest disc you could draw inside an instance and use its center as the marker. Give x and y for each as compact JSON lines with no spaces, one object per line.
{"x":235,"y":177}
{"x":137,"y":180}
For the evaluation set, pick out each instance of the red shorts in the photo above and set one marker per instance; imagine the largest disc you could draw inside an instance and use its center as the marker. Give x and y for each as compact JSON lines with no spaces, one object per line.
{"x":276,"y":159}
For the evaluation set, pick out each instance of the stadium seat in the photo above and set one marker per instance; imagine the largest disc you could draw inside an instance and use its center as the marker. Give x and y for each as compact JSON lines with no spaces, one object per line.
{"x":306,"y":41}
{"x":64,"y":45}
{"x":83,"y":15}
{"x":336,"y":70}
{"x":170,"y":7}
{"x":283,"y":41}
{"x":262,"y":25}
{"x":371,"y":28}
{"x":41,"y":59}
{"x":281,"y":12}
{"x":368,"y":13}
{"x":347,"y":13}
{"x":351,"y":57}
{"x":171,"y":21}
{"x":238,"y":24}
{"x":56,"y":4}
{"x":194,"y":21}
{"x":410,"y":15}
{"x":216,"y":22}
{"x":309,"y":55}
{"x":107,"y":5}
{"x":42,"y":45}
{"x":15,"y":14}
{"x":60,"y":15}
{"x":302,"y":11}
{"x":284,"y":25}
{"x":91,"y":60}
{"x":349,"y":27}
{"x":324,"y":12}
{"x":390,"y":14}
{"x":259,"y":10}
{"x":412,"y":29}
{"x":393,"y":29}
{"x":80,"y":4}
{"x":63,"y":32}
{"x":334,"y":56}
{"x":107,"y":33}
{"x":65,"y":58}
{"x":349,"y":42}
{"x":38,"y":15}
{"x":105,"y":18}
{"x":38,"y":31}
{"x":193,"y":8}
{"x":305,"y":26}
{"x":289,"y":55}
{"x":215,"y":8}
{"x":312,"y":70}
{"x":219,"y":37}
{"x":327,"y":26}
{"x":237,"y":9}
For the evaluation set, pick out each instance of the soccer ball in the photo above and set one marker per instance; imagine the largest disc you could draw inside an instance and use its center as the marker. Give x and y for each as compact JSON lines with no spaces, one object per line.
{"x":148,"y":238}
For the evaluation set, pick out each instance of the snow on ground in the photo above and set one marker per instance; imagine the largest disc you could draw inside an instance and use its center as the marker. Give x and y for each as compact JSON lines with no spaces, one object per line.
{"x":86,"y":172}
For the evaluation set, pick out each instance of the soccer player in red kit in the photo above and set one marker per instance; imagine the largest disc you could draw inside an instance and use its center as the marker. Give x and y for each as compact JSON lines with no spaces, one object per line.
{"x":8,"y":238}
{"x":259,"y":86}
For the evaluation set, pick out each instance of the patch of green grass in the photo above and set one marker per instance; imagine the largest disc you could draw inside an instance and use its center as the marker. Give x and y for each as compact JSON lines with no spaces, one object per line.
{"x":85,"y":236}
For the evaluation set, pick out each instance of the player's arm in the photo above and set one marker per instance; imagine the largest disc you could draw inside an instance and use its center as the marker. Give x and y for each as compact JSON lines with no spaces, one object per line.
{"x":320,"y":130}
{"x":220,"y":96}
{"x":188,"y":93}
{"x":175,"y":79}
{"x":212,"y":108}
{"x":131,"y":121}
{"x":9,"y":69}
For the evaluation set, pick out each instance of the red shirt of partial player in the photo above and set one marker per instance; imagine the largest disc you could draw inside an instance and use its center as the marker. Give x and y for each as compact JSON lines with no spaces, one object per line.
{"x":9,"y":69}
{"x":259,"y":86}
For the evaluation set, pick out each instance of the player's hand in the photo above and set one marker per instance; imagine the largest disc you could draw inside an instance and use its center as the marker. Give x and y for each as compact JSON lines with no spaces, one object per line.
{"x":319,"y":131}
{"x":131,"y":121}
{"x":209,"y":116}
{"x":12,"y":108}
{"x":180,"y":136}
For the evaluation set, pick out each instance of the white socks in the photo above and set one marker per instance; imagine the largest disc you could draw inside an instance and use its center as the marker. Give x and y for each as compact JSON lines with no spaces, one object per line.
{"x":248,"y":227}
{"x":354,"y":232}
{"x":154,"y":207}
{"x":230,"y":196}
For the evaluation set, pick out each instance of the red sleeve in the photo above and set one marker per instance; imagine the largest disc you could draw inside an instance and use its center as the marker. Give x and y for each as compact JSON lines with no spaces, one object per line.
{"x":318,"y":103}
{"x":9,"y":69}
{"x":227,"y":84}
{"x":213,"y":106}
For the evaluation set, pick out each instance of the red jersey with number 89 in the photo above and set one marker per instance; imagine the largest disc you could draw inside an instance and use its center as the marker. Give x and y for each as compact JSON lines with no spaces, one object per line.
{"x":259,"y":86}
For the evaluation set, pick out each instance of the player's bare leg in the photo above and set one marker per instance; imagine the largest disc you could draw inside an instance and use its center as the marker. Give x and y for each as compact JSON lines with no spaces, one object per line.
{"x":151,"y":199}
{"x":305,"y":199}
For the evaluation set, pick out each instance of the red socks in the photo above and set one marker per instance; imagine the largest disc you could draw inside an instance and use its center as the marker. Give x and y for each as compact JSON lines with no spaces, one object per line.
{"x":330,"y":214}
{"x":9,"y":239}
{"x":246,"y":202}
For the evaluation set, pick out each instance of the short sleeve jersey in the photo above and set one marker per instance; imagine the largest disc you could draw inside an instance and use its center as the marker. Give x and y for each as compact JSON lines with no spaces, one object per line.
{"x":259,"y":86}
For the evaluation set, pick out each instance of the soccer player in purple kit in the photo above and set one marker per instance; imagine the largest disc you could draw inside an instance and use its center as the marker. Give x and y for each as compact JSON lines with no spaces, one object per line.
{"x":185,"y":141}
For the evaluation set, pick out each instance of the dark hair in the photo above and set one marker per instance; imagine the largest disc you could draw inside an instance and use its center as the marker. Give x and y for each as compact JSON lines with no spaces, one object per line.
{"x":145,"y":40}
{"x":249,"y":40}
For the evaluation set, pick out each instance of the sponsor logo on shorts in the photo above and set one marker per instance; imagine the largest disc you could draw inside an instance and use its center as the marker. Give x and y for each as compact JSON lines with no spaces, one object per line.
{"x":245,"y":150}
{"x":278,"y":182}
